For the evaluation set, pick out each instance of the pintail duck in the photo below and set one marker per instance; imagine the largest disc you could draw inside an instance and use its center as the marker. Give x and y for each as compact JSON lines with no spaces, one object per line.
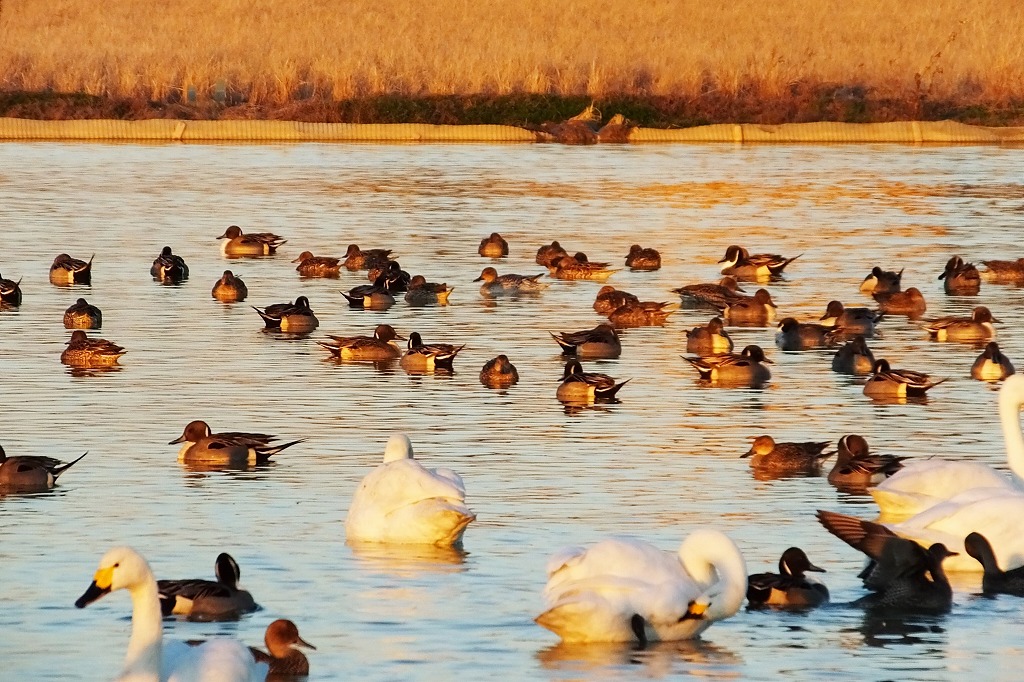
{"x":709,"y":294}
{"x":252,"y":244}
{"x":509,"y":285}
{"x":550,"y":254}
{"x":82,"y":351}
{"x":709,"y":339}
{"x":207,"y":599}
{"x":992,"y":365}
{"x":856,"y":467}
{"x":422,"y":357}
{"x":910,"y":303}
{"x":977,"y":327}
{"x":1003,"y":271}
{"x":398,"y":279}
{"x":283,"y":659}
{"x":995,"y":580}
{"x":168,"y":268}
{"x":903,"y":574}
{"x":376,"y":296}
{"x":83,"y":315}
{"x":499,"y":373}
{"x":752,"y":311}
{"x":640,"y":258}
{"x":882,"y":281}
{"x":600,"y":342}
{"x":31,"y":473}
{"x":580,"y":386}
{"x":295,"y":318}
{"x":746,"y":368}
{"x":886,"y":382}
{"x":230,"y":289}
{"x":421,"y":292}
{"x":359,"y":259}
{"x":641,"y":314}
{"x":493,"y":246}
{"x":854,"y":358}
{"x":66,"y":271}
{"x":794,"y":335}
{"x":610,"y":299}
{"x":850,"y":320}
{"x":739,"y":263}
{"x":375,"y":348}
{"x":571,"y":267}
{"x":200,"y":445}
{"x":765,"y":453}
{"x":317,"y":266}
{"x":790,"y":587}
{"x":961,"y":279}
{"x":10,"y":292}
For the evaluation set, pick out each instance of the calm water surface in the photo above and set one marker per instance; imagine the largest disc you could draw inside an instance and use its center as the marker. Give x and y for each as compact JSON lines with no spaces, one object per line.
{"x":659,"y":464}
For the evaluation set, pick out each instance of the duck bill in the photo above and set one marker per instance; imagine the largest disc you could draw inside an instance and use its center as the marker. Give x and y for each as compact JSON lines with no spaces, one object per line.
{"x":997,"y":320}
{"x":302,"y":642}
{"x":179,"y":439}
{"x":297,"y":260}
{"x":748,"y":453}
{"x":479,"y":279}
{"x":816,"y":569}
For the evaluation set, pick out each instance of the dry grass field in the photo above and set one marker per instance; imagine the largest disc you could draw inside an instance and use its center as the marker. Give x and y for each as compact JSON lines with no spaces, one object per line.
{"x":741,"y":59}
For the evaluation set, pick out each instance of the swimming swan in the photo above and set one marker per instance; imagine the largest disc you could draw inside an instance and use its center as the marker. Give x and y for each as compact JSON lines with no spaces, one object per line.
{"x":624,"y":589}
{"x":149,"y":657}
{"x":401,"y":501}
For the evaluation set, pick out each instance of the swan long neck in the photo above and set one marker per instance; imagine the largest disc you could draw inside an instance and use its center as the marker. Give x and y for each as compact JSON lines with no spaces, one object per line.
{"x":1010,"y":399}
{"x":715,"y":563}
{"x":145,"y":648}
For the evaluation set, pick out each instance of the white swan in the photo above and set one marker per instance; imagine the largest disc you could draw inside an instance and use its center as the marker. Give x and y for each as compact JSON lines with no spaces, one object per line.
{"x":401,"y":501}
{"x":923,"y":484}
{"x":624,"y":589}
{"x":149,"y":657}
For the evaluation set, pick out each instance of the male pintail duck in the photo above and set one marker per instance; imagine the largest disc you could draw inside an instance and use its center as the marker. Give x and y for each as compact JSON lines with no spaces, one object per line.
{"x":200,"y":445}
{"x":421,"y":292}
{"x":358,"y":259}
{"x":10,"y":292}
{"x":509,"y":285}
{"x":794,"y":335}
{"x":499,"y":373}
{"x":640,"y":258}
{"x":857,"y":467}
{"x":580,"y":386}
{"x":739,"y":263}
{"x":550,"y":254}
{"x":66,"y":271}
{"x":851,"y":320}
{"x":252,"y":244}
{"x":284,"y":660}
{"x":910,"y":303}
{"x":230,"y":289}
{"x":398,"y":279}
{"x":600,"y":342}
{"x":882,"y":281}
{"x":641,"y":314}
{"x":82,"y":351}
{"x":168,"y":268}
{"x":961,"y":279}
{"x":718,"y":295}
{"x":765,"y":453}
{"x":751,"y":311}
{"x":317,"y":266}
{"x":296,"y":318}
{"x":83,"y":315}
{"x":995,"y":580}
{"x":376,"y":296}
{"x":992,"y":365}
{"x":493,"y":246}
{"x":571,"y":267}
{"x":854,"y":358}
{"x":903,"y":574}
{"x":790,"y":587}
{"x":886,"y":382}
{"x":31,"y":473}
{"x":422,"y":357}
{"x":746,"y":368}
{"x":977,"y":327}
{"x":709,"y":339}
{"x":207,"y":600}
{"x":375,"y":348}
{"x":609,"y":299}
{"x":1003,"y":271}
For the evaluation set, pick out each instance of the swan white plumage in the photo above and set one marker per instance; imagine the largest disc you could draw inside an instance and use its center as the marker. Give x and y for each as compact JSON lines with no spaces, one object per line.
{"x":625,"y":589}
{"x":149,"y":657}
{"x":401,"y":501}
{"x":923,"y":484}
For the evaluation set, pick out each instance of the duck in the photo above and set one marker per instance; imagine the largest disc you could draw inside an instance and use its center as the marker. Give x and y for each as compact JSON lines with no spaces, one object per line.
{"x":509,"y":285}
{"x":149,"y":655}
{"x":282,"y":658}
{"x":421,"y":357}
{"x":751,"y":311}
{"x":641,"y":314}
{"x":588,"y":387}
{"x":719,"y":295}
{"x":642,"y":259}
{"x":66,"y":271}
{"x":169,"y":268}
{"x":252,"y":244}
{"x":977,"y":327}
{"x":200,"y":445}
{"x":790,"y":587}
{"x":710,"y":339}
{"x":856,"y":467}
{"x":82,"y":351}
{"x":493,"y":246}
{"x":571,"y":267}
{"x":360,"y":259}
{"x":910,"y":303}
{"x":854,"y":357}
{"x":82,"y":315}
{"x":499,"y":373}
{"x":765,"y":453}
{"x":600,"y":342}
{"x":746,"y":368}
{"x":609,"y":299}
{"x":403,"y":502}
{"x":397,"y":279}
{"x":421,"y":292}
{"x":991,"y":365}
{"x":317,"y":266}
{"x":624,"y":589}
{"x":881,"y":281}
{"x":294,"y":318}
{"x":886,"y":382}
{"x":10,"y":293}
{"x":207,"y":599}
{"x":550,"y":254}
{"x":1003,"y":271}
{"x":796,"y":336}
{"x":994,"y":580}
{"x":376,"y":296}
{"x":850,"y":320}
{"x":902,"y":574}
{"x":739,"y":263}
{"x":229,"y":288}
{"x":961,"y":278}
{"x":381,"y":346}
{"x":31,"y":473}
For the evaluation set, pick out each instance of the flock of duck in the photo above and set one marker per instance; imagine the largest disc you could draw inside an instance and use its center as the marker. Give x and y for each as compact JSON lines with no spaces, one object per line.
{"x":937,"y":514}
